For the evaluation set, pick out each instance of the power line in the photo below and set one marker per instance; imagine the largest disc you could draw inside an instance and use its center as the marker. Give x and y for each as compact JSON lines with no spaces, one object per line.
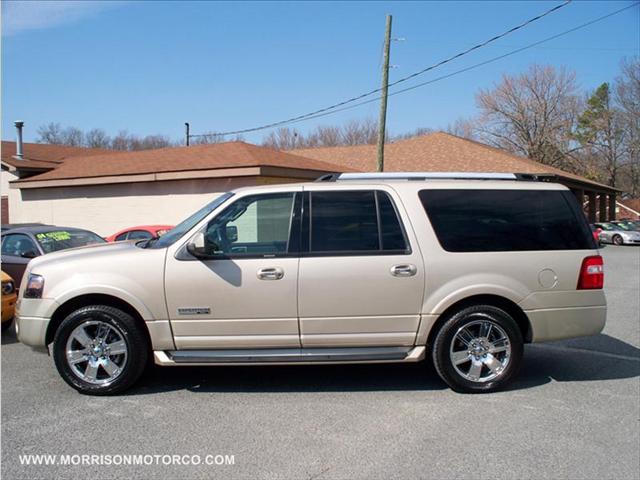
{"x":474,"y":66}
{"x":404,"y":79}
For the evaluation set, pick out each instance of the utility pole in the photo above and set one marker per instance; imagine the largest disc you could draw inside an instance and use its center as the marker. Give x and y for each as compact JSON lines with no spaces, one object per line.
{"x":383,"y":101}
{"x":186,"y":128}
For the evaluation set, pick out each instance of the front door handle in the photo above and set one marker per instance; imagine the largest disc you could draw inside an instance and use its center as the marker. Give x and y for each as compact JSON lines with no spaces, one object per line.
{"x":272,"y":273}
{"x":404,"y":270}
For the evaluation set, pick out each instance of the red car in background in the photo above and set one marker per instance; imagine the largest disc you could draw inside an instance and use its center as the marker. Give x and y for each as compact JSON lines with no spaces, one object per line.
{"x":140,"y":232}
{"x":595,"y":231}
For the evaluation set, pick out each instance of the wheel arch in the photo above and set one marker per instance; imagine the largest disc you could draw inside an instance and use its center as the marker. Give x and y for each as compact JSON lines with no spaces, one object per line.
{"x":85,"y":300}
{"x":509,"y":306}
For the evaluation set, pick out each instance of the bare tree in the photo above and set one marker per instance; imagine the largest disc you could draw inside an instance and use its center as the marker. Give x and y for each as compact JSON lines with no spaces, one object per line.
{"x":415,"y":133}
{"x":463,"y":127}
{"x":208,"y":137}
{"x":627,"y":96}
{"x":121,"y":141}
{"x":532,"y":114}
{"x":354,"y":132}
{"x":54,"y":133}
{"x":360,"y":132}
{"x":324,"y":136}
{"x":284,"y":138}
{"x":97,"y":138}
{"x":150,"y":142}
{"x":51,"y":133}
{"x":73,"y":136}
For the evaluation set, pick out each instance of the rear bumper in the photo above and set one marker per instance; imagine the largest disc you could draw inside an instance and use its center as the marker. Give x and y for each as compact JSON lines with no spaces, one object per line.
{"x":559,"y":323}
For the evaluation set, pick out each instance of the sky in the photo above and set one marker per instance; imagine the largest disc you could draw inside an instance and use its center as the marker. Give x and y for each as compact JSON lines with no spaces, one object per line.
{"x":150,"y":66}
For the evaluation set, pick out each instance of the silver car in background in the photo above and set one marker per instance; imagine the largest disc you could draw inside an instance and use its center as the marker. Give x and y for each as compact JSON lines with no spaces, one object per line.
{"x":618,"y":234}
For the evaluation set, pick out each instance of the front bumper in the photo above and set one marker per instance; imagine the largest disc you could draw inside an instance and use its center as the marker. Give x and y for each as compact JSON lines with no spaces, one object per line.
{"x":8,"y":307}
{"x":32,"y":320}
{"x":32,"y":331}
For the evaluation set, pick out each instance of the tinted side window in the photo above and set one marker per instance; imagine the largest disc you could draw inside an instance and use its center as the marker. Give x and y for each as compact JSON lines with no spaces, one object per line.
{"x":122,"y":236}
{"x":354,"y":221}
{"x":393,"y":237}
{"x":505,"y":220}
{"x":344,"y":222}
{"x":138,"y":235}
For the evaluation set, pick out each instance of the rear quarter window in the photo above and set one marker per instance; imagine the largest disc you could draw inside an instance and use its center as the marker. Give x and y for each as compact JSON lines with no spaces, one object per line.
{"x":506,"y":220}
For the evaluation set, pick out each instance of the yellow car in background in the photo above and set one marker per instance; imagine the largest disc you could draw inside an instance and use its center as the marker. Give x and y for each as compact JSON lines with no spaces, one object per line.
{"x":8,"y":300}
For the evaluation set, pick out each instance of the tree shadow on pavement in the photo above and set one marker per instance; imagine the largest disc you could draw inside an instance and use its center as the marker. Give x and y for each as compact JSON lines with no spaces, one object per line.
{"x":588,"y":359}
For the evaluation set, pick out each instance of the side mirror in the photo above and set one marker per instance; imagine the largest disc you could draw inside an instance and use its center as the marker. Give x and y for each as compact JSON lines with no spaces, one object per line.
{"x":232,"y":233}
{"x":29,"y":254}
{"x":196,"y":247}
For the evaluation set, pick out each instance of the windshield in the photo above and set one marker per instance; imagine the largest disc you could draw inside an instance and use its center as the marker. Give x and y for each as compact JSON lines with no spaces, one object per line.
{"x":62,"y":239}
{"x":183,"y":227}
{"x":624,"y":226}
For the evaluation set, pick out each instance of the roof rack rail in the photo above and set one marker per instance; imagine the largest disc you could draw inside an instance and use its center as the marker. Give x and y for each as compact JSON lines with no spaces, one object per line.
{"x":328,"y":177}
{"x":420,"y":176}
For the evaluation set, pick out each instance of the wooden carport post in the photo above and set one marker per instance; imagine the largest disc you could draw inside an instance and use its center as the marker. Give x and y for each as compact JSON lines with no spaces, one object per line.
{"x":612,"y":206}
{"x":603,"y":207}
{"x":591,"y":213}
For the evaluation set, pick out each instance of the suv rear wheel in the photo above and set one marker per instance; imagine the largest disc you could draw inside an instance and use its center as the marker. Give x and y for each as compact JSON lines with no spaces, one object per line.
{"x":100,"y":350}
{"x":478,"y":349}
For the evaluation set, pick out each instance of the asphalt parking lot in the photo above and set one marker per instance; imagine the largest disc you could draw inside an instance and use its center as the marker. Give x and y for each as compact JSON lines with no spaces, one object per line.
{"x":574,"y":412}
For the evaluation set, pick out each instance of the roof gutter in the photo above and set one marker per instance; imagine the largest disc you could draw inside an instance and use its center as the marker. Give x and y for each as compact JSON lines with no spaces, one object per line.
{"x":262,"y":171}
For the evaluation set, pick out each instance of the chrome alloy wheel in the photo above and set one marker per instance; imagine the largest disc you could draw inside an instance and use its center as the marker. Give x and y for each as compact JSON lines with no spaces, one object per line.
{"x":480,"y":351}
{"x":96,"y":352}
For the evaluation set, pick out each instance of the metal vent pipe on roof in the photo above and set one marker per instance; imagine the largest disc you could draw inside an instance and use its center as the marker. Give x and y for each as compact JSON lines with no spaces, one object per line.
{"x":19,"y":153}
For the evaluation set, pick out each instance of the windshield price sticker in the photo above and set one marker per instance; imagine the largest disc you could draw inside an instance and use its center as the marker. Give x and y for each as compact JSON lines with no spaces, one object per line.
{"x":55,"y":236}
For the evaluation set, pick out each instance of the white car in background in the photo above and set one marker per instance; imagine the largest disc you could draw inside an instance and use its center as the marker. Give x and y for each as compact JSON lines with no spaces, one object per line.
{"x":617,"y":234}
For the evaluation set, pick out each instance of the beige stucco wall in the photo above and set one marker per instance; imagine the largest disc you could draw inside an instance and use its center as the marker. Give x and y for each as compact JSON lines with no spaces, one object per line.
{"x":14,"y":195}
{"x":106,"y":209}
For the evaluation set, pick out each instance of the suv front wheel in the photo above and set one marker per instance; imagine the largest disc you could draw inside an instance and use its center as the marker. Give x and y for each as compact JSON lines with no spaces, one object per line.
{"x":100,"y":350}
{"x":478,"y":349}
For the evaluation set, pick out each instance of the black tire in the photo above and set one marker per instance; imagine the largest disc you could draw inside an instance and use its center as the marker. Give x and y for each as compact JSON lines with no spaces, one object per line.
{"x":137,"y":348}
{"x":470,"y":316}
{"x":617,"y":240}
{"x":5,"y":325}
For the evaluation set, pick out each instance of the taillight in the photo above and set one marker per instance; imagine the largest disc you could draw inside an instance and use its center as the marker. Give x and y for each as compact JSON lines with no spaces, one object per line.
{"x":591,"y":273}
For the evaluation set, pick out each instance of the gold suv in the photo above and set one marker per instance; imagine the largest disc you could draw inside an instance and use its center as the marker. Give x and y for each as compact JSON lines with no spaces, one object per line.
{"x":463,"y":269}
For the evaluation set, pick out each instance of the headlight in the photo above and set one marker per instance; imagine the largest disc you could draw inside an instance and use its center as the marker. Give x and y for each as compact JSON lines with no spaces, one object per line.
{"x":7,"y":288}
{"x":35,"y":286}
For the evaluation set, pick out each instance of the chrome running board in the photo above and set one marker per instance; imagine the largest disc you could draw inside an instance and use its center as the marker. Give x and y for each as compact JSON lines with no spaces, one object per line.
{"x":290,"y":355}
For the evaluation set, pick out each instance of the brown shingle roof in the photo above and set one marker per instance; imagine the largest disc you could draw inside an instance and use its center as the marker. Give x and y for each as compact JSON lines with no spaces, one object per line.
{"x":43,"y":156}
{"x":179,"y":159}
{"x":434,"y":152}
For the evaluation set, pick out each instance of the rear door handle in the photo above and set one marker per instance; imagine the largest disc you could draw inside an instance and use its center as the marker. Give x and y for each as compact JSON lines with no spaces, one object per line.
{"x":404,"y":270}
{"x":271,"y":273}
